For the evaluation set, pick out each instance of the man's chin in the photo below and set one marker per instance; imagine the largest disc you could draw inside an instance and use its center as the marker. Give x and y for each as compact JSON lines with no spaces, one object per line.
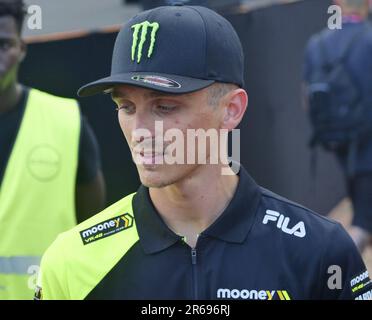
{"x":159,"y":176}
{"x":151,"y":176}
{"x":154,"y":183}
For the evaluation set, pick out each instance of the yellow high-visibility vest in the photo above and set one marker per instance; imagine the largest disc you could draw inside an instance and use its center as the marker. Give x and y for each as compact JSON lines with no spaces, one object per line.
{"x":37,"y":193}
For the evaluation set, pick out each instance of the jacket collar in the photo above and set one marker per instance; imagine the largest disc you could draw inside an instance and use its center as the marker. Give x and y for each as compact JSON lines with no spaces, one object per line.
{"x":233,"y":225}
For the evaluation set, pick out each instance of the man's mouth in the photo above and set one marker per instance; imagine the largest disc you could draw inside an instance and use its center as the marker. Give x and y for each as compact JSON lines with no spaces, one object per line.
{"x":149,"y":157}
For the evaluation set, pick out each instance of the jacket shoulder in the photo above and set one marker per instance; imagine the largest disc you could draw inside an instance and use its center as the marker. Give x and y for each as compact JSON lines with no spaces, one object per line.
{"x":121,"y":208}
{"x":69,"y":268}
{"x":315,"y":224}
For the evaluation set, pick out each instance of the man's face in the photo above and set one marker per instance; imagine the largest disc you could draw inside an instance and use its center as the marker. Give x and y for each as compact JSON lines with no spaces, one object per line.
{"x":11,"y":52}
{"x":140,"y":108}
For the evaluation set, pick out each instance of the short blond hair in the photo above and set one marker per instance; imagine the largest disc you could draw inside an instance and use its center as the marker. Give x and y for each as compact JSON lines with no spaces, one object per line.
{"x":218,"y":90}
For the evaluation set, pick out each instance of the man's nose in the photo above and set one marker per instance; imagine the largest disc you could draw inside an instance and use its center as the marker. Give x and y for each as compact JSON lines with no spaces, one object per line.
{"x":143,"y":126}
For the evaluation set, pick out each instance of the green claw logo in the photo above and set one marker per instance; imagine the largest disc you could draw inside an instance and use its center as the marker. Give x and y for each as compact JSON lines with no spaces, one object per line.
{"x":143,"y":27}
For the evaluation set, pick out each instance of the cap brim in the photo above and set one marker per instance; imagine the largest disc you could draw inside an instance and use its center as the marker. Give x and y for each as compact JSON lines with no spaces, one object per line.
{"x":155,"y":81}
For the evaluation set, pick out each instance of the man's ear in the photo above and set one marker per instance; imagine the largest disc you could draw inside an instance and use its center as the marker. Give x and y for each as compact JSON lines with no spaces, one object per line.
{"x":235,"y":105}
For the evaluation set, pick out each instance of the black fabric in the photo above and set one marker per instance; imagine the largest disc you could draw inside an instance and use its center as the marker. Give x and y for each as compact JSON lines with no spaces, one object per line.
{"x":238,"y":257}
{"x":9,"y":125}
{"x":89,"y":154}
{"x":89,"y":161}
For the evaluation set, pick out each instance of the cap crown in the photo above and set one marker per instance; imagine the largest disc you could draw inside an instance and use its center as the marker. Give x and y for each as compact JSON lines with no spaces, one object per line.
{"x":189,"y":41}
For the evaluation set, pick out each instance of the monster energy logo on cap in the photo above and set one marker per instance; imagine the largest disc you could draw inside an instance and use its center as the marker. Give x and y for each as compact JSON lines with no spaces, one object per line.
{"x":144,"y":26}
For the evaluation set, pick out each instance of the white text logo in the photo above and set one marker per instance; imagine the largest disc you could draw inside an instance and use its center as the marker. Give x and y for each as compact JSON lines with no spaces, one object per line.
{"x":252,"y":294}
{"x":282,"y":223}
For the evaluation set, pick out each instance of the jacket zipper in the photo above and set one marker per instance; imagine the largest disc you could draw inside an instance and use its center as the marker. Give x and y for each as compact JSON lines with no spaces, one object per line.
{"x":194,"y":273}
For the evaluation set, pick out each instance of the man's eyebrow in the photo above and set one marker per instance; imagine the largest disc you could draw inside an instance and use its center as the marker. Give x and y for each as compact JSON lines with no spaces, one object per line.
{"x":151,"y":94}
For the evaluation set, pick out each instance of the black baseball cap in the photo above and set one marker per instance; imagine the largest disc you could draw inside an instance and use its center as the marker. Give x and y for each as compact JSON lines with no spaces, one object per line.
{"x":174,"y":49}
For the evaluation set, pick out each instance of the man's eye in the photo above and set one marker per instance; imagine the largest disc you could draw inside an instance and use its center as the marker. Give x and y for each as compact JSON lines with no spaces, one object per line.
{"x":127,"y":109}
{"x":164,"y":108}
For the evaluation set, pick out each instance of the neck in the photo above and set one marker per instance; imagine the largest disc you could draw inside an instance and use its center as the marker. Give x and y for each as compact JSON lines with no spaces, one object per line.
{"x":190,"y":206}
{"x":10,"y":97}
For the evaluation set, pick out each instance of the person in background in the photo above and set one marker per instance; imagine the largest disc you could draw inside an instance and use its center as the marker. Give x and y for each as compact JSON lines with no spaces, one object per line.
{"x":50,"y":176}
{"x":350,"y":50}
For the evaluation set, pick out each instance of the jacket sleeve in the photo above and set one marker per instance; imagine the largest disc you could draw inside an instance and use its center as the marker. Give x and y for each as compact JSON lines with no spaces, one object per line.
{"x":52,"y":282}
{"x":344,"y":273}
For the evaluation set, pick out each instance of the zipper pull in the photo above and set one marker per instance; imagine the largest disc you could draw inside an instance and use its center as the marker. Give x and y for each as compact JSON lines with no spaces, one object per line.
{"x":193,"y":256}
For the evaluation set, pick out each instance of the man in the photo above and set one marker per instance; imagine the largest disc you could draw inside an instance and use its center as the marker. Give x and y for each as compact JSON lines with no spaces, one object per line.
{"x":50,"y":173}
{"x":354,"y":43}
{"x":193,"y":230}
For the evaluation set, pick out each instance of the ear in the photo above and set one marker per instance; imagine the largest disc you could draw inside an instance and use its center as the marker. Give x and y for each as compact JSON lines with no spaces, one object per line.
{"x":235,"y":105}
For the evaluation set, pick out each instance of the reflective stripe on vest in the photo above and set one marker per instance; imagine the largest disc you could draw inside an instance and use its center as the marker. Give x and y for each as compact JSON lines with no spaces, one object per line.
{"x":17,"y":265}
